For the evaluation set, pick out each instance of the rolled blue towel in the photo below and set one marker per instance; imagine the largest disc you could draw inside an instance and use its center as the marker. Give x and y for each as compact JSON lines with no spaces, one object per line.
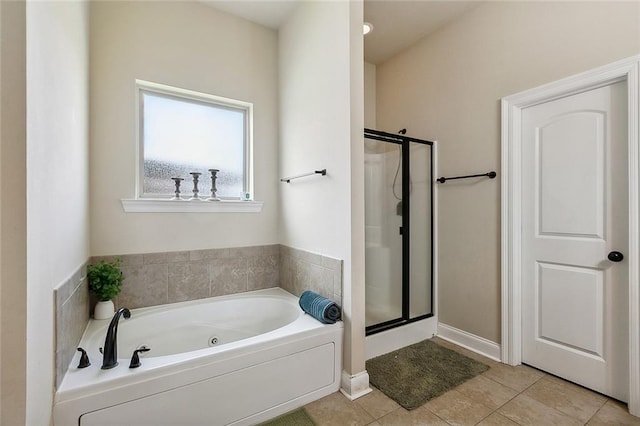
{"x":319,"y":307}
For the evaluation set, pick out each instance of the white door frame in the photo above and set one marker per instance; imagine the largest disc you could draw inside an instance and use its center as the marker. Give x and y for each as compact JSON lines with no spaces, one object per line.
{"x":512,"y":106}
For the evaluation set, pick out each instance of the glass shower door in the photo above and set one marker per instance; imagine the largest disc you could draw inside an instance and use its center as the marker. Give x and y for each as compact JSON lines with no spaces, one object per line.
{"x":420,"y":239}
{"x":398,"y":230}
{"x":383,"y":242}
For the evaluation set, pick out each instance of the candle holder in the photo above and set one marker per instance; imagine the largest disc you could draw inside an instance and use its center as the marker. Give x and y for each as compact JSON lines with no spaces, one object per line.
{"x":177,"y":181}
{"x":214,"y":189}
{"x":196,"y":177}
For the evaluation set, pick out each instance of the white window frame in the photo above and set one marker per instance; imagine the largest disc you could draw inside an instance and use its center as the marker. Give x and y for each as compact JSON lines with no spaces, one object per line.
{"x":151,"y":203}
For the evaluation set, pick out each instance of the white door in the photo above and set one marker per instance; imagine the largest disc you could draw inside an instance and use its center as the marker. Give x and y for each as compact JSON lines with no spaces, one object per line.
{"x":574,"y":214}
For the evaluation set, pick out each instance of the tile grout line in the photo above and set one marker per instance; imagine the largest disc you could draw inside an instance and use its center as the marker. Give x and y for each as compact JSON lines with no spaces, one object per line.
{"x":510,"y":399}
{"x":597,"y":411}
{"x":426,"y":408}
{"x":565,"y":390}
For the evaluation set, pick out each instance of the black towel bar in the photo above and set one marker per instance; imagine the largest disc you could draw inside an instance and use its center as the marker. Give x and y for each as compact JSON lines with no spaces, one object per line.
{"x":322,"y":172}
{"x":490,"y":175}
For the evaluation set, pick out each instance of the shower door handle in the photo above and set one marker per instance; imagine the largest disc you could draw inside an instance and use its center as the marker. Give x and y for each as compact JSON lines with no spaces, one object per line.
{"x":400,"y":230}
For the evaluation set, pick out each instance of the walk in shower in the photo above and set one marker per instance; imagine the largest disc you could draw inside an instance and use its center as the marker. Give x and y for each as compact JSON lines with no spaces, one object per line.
{"x":399,"y":230}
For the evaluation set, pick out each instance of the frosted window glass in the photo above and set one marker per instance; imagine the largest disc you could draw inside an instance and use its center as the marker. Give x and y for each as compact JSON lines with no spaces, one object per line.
{"x":182,"y":136}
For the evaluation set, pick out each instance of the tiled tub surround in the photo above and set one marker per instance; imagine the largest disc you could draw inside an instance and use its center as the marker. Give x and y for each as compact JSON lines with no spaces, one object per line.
{"x":159,"y":278}
{"x":71,"y":298}
{"x":302,"y":270}
{"x":182,"y":381}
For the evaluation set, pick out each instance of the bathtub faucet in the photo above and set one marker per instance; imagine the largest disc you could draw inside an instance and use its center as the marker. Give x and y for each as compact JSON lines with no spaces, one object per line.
{"x":110,"y":351}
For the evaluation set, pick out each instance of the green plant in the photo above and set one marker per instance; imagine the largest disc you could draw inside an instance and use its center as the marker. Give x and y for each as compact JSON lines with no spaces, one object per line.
{"x":105,"y":279}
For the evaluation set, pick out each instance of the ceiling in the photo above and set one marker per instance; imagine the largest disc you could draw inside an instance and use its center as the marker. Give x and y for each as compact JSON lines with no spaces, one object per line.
{"x":270,"y":13}
{"x":397,"y":23}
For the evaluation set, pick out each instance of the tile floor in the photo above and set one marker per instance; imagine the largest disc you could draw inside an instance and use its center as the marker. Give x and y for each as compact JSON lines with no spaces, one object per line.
{"x":503,"y":395}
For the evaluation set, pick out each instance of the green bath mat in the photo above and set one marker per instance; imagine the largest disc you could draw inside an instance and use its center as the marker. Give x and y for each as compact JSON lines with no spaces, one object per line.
{"x":294,"y":418}
{"x":413,"y":375}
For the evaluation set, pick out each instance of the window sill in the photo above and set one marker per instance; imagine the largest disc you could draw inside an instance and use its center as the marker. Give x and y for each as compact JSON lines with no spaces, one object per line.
{"x":142,"y":205}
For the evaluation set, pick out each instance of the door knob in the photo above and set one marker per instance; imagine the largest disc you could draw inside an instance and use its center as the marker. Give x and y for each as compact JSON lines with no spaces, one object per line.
{"x":615,"y":256}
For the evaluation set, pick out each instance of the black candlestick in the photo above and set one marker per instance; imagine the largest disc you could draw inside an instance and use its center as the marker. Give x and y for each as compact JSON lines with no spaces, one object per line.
{"x":196,"y":177}
{"x":214,"y":176}
{"x":177,"y":181}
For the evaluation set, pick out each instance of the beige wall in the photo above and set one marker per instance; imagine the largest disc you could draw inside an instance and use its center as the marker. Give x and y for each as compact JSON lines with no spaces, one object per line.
{"x":57,"y":178}
{"x":321,"y":120}
{"x":13,"y":219}
{"x":447,"y":88}
{"x":369,"y":95}
{"x":358,"y":385}
{"x":314,"y":128}
{"x":192,"y":46}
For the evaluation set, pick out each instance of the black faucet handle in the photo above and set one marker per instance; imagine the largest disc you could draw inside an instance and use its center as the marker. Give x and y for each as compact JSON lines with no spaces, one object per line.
{"x":84,"y":359}
{"x":135,"y":359}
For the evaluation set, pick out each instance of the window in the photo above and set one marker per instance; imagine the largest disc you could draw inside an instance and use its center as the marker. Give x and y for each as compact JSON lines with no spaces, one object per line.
{"x":182,"y":131}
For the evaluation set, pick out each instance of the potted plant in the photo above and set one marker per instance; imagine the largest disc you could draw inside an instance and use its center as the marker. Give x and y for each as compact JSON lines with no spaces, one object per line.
{"x":105,"y":280}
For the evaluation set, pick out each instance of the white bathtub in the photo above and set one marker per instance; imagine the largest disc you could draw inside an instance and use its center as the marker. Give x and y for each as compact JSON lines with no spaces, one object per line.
{"x":238,"y":359}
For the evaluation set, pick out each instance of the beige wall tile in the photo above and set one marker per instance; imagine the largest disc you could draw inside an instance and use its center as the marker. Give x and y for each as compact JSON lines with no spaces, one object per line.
{"x":208,"y":254}
{"x":301,"y":277}
{"x":72,"y":315}
{"x":247,"y":251}
{"x":130,"y":259}
{"x":228,"y":276}
{"x":145,"y":285}
{"x":271,"y":250}
{"x":312,"y":258}
{"x":178,"y":256}
{"x":321,"y":280}
{"x":301,"y":270}
{"x":286,"y":273}
{"x":263,"y":272}
{"x":188,"y":281}
{"x":331,"y":263}
{"x":152,"y":258}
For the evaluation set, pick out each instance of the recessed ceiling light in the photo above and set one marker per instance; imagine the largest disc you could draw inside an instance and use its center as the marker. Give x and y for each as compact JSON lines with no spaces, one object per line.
{"x":367,"y":28}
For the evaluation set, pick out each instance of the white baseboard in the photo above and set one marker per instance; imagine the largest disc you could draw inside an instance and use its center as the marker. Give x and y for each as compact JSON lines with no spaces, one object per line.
{"x":470,"y":341}
{"x":399,"y":337}
{"x":353,"y":387}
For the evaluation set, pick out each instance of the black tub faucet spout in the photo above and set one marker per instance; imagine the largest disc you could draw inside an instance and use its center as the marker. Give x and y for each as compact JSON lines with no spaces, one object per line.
{"x":110,"y":351}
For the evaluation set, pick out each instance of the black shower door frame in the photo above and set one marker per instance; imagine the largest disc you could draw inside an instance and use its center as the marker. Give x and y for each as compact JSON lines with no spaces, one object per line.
{"x":404,"y":142}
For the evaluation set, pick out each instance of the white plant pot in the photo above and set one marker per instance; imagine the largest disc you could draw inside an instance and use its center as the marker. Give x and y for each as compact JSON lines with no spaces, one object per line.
{"x":103,"y":310}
